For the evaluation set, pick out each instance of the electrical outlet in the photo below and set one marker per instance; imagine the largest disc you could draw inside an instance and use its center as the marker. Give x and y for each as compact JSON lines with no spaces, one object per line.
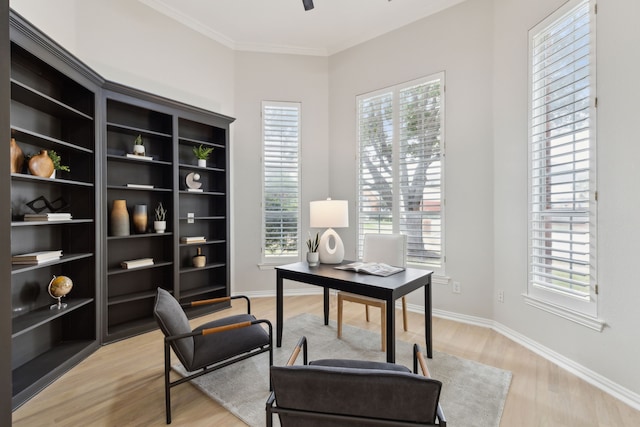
{"x":456,"y":287}
{"x":500,"y":296}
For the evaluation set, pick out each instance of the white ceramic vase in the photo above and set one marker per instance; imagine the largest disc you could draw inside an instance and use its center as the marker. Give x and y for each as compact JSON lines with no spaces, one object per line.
{"x":159,"y":226}
{"x":313,"y":259}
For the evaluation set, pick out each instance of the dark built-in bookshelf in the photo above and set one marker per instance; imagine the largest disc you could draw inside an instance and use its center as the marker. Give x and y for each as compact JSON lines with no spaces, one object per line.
{"x":57,"y":103}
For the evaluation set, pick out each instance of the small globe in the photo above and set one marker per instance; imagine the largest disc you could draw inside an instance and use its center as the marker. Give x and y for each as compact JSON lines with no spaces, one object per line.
{"x":60,"y":286}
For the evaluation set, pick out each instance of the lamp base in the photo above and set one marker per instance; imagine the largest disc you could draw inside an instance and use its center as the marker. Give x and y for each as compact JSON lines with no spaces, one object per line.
{"x":329,"y":254}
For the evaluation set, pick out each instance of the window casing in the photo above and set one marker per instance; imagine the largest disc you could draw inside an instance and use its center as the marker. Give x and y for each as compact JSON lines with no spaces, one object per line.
{"x":562,"y":160}
{"x":280,"y":181}
{"x":401,"y":167}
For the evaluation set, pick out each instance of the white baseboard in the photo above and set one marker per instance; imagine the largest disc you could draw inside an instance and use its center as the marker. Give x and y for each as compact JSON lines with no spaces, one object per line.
{"x":614,"y":389}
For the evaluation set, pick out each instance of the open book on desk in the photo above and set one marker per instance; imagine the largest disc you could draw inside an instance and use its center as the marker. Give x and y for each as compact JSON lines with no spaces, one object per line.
{"x":375,"y":268}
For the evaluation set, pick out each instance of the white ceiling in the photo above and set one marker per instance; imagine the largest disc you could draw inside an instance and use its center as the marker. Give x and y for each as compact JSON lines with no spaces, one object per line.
{"x":283,"y":26}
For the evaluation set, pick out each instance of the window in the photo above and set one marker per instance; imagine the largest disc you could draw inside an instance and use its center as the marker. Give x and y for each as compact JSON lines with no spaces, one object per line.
{"x":562,"y":191}
{"x":281,"y":180}
{"x":400,"y":166}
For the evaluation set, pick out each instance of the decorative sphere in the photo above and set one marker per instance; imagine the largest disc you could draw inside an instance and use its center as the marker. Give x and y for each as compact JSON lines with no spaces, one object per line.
{"x":60,"y":286}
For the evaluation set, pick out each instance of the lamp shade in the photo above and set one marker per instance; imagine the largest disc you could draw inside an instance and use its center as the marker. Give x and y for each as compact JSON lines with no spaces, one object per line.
{"x":329,"y":213}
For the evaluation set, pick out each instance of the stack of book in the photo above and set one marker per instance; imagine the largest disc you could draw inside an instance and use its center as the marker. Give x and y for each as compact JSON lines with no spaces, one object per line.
{"x":146,"y":186}
{"x":193,"y":239}
{"x":36,"y":257}
{"x":139,"y":157}
{"x":48,"y":216}
{"x":135,"y":263}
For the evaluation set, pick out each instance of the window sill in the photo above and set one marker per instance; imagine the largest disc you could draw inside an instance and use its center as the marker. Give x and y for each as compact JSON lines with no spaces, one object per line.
{"x":565,"y":313}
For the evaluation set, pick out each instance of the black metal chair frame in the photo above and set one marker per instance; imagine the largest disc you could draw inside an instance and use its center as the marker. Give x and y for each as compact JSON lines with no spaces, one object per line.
{"x":272,"y":408}
{"x":168,"y":340}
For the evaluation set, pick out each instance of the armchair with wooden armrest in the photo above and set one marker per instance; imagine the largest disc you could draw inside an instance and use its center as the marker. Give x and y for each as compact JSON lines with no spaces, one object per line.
{"x":211,"y":346}
{"x":343,"y":392}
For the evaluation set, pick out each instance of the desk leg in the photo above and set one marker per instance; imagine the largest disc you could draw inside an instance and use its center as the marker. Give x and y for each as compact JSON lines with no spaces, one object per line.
{"x":391,"y":331}
{"x":428,"y":318}
{"x":326,"y":306}
{"x":279,"y":315}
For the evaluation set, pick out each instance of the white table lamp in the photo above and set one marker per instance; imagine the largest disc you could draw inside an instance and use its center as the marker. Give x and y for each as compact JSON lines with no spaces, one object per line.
{"x":329,"y":214}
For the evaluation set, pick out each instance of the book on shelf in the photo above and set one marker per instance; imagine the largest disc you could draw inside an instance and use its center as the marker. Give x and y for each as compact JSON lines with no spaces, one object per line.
{"x":195,"y":190}
{"x":139,"y":157}
{"x":193,"y":239}
{"x":135,"y":263}
{"x":375,"y":268}
{"x":147,"y":186}
{"x":49,"y":216}
{"x":36,"y":257}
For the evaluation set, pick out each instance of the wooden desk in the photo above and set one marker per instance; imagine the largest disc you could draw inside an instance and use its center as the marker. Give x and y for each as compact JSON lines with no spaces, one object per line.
{"x":385,"y":288}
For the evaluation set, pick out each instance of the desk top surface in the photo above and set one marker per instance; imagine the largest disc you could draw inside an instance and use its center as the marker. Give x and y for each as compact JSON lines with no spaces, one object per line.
{"x":328,"y":275}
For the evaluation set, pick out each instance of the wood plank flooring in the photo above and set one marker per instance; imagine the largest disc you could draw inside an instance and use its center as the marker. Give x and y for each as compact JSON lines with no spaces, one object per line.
{"x":122,"y":385}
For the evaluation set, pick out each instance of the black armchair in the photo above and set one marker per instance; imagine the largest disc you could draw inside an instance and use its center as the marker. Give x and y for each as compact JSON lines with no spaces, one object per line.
{"x":211,"y":346}
{"x":335,"y":392}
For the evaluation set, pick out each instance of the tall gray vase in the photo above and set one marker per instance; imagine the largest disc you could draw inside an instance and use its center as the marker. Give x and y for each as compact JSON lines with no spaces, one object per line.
{"x":119,"y":218}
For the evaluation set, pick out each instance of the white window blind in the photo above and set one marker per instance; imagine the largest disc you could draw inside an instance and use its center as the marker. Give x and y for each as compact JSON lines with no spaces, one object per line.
{"x":400,"y":137}
{"x":281,"y":179}
{"x":562,"y":234}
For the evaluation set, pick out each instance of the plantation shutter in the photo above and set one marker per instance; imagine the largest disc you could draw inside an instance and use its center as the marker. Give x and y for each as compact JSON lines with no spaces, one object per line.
{"x":420,"y":170}
{"x":400,"y":166}
{"x":562,"y":147}
{"x":281,"y":179}
{"x":375,"y":180}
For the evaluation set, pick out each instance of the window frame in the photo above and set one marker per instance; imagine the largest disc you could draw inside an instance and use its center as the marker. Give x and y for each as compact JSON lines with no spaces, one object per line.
{"x":582,"y":309}
{"x":396,"y":214}
{"x":266,"y":258}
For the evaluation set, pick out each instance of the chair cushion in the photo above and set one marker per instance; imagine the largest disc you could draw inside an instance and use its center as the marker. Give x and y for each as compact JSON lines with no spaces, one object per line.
{"x":173,"y":321}
{"x":216,"y":347}
{"x":377,"y":393}
{"x":360,"y":364}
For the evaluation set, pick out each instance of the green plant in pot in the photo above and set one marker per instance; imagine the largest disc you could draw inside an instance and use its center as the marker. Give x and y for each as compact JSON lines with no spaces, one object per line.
{"x":160,"y":219}
{"x":202,"y":154}
{"x":57,"y":165}
{"x":138,"y":146}
{"x":312,"y":246}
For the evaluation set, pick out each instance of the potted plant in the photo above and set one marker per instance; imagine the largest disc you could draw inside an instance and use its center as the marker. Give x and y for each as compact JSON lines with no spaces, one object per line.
{"x":138,"y":146}
{"x":312,"y":246}
{"x":202,"y":154}
{"x":160,"y":219}
{"x":57,"y":166}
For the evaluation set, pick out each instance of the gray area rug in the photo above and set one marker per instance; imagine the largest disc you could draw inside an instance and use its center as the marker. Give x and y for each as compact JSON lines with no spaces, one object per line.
{"x":473,"y":394}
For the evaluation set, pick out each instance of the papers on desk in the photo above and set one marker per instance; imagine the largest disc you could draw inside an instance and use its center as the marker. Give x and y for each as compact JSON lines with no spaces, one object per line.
{"x":375,"y":268}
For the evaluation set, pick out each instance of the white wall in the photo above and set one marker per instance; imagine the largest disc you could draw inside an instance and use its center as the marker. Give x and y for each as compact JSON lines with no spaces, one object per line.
{"x":132,"y":44}
{"x":274,"y":78}
{"x":614,"y":352}
{"x":457,"y":41}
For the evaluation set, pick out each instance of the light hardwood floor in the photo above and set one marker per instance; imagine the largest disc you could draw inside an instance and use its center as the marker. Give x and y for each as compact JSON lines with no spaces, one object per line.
{"x":121,"y":384}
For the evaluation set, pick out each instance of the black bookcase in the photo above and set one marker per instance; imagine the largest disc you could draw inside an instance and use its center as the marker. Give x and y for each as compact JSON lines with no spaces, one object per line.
{"x":57,"y":103}
{"x":169,"y":130}
{"x":54,"y":101}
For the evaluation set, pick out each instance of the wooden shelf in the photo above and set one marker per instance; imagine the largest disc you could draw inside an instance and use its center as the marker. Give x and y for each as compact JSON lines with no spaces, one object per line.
{"x":33,"y":98}
{"x":36,"y":138}
{"x":44,"y":315}
{"x":116,"y":158}
{"x":185,"y":270}
{"x":114,"y":271}
{"x":136,"y":130}
{"x":39,"y":372}
{"x":201,"y":291}
{"x":52,"y":181}
{"x":37,"y":223}
{"x":21,"y":268}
